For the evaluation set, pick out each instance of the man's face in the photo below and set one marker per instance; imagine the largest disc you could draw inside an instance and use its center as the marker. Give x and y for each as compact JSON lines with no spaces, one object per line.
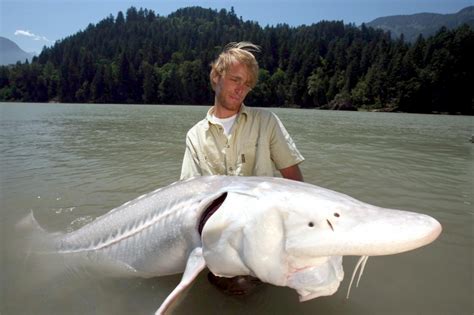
{"x":231,"y":90}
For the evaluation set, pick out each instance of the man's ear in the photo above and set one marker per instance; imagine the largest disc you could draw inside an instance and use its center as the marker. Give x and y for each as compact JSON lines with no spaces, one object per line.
{"x":215,"y":79}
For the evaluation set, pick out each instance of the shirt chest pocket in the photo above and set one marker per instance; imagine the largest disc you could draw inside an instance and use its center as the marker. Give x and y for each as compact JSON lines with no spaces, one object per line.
{"x":246,"y":156}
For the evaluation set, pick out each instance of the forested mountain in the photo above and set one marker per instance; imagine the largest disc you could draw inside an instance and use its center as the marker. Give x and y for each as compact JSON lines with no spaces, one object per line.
{"x":10,"y":53}
{"x":427,"y":24}
{"x":141,"y":57}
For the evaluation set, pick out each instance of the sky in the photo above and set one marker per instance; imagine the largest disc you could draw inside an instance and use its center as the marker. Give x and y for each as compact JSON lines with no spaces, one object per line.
{"x":33,"y":24}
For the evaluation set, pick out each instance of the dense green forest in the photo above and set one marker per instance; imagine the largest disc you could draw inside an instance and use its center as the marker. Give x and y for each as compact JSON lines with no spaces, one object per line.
{"x":141,"y":57}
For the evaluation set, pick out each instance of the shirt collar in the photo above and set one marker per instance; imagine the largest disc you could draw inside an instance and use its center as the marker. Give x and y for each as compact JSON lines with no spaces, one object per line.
{"x":243,"y":111}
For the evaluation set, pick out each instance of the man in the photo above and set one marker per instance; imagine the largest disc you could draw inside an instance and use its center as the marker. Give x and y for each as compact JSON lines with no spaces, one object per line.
{"x":237,"y":140}
{"x":234,"y":139}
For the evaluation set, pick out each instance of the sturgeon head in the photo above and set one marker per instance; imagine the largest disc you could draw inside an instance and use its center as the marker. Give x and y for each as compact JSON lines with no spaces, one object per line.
{"x":294,"y":234}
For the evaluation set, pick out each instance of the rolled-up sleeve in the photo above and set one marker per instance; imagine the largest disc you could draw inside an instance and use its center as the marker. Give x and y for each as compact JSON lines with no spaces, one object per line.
{"x":283,"y":150}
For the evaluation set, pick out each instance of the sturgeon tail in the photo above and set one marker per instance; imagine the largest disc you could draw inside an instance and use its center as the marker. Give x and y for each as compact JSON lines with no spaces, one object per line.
{"x":36,"y":252}
{"x":36,"y":239}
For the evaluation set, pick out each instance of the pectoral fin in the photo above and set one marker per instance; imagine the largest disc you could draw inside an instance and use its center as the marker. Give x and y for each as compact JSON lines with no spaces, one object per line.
{"x":194,"y":266}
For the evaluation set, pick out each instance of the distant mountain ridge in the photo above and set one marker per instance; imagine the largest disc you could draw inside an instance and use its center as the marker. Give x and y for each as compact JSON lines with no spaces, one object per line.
{"x":10,"y":52}
{"x":427,"y":24}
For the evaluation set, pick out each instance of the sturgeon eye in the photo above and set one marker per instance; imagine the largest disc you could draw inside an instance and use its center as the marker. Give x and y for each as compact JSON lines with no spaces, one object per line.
{"x":310,"y":224}
{"x":337,"y":215}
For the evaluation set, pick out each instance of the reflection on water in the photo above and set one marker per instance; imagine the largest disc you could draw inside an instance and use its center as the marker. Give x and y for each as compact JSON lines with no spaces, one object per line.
{"x":71,"y":163}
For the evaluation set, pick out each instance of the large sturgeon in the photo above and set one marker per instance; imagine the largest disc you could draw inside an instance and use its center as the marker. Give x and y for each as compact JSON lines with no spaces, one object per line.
{"x":283,"y":232}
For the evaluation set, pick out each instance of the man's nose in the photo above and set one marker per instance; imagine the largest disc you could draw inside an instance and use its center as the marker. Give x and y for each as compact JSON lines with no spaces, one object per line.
{"x":240,"y":88}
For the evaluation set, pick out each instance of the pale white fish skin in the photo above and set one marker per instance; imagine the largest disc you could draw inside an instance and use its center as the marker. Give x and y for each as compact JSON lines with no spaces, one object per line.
{"x":284,"y":232}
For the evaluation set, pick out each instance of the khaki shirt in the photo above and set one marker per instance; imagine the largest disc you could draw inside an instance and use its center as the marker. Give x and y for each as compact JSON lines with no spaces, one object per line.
{"x":258,"y":143}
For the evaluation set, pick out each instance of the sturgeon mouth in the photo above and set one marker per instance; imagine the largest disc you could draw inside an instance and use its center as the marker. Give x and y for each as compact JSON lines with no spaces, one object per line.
{"x":318,"y":280}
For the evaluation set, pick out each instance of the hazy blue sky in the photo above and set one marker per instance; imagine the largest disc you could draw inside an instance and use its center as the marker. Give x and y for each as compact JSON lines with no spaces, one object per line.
{"x":33,"y":24}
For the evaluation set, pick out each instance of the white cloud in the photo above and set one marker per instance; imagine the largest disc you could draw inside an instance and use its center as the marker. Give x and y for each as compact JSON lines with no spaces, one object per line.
{"x":32,"y":36}
{"x":24,"y":33}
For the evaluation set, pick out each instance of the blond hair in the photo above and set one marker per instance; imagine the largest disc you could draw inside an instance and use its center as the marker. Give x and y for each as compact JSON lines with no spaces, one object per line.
{"x":236,"y":52}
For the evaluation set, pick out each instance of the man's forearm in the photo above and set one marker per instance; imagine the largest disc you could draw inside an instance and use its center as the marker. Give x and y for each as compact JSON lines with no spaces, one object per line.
{"x":293,"y":172}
